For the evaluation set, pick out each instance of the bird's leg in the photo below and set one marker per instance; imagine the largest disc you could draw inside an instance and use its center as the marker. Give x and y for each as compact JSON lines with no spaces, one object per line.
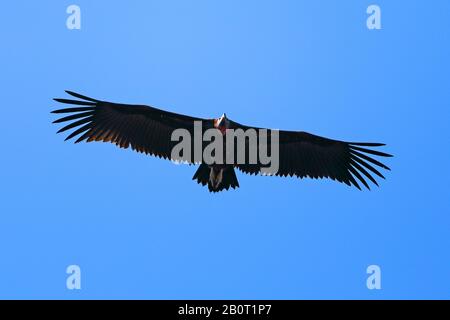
{"x":215,"y":176}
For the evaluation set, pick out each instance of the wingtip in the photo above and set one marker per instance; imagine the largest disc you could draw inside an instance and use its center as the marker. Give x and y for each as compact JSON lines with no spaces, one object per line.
{"x":57,"y":100}
{"x":367,"y":144}
{"x":80,"y":96}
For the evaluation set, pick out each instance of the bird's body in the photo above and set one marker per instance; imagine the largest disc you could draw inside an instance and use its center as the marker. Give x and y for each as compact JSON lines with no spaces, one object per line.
{"x":220,"y":175}
{"x":151,"y":131}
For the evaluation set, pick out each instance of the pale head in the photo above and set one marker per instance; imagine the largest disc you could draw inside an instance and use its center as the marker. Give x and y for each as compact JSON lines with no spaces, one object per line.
{"x":222,"y":121}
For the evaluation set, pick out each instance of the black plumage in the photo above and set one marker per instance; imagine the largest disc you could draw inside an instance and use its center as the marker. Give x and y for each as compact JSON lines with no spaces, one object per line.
{"x":148,"y":130}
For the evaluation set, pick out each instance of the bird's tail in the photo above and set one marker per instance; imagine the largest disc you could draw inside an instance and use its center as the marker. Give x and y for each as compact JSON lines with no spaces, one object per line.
{"x":217,"y":178}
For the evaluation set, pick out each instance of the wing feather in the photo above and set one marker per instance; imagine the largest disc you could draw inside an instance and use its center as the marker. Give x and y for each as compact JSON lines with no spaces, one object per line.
{"x":306,"y":155}
{"x":146,"y":129}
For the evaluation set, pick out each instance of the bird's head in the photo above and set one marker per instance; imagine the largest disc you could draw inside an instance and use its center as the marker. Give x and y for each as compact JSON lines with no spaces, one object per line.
{"x":223,"y":120}
{"x":221,"y":123}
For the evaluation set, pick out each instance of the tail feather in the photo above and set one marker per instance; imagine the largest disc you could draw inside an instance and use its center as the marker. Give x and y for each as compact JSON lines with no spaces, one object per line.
{"x":216,"y":179}
{"x":202,"y":174}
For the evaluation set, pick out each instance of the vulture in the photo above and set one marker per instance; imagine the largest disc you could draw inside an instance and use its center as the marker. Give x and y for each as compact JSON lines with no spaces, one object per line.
{"x":150,"y":130}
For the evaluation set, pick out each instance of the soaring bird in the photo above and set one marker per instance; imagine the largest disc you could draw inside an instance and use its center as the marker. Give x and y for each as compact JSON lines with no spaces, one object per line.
{"x":150,"y":130}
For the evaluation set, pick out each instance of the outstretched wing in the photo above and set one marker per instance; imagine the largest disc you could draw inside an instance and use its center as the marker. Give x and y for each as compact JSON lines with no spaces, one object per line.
{"x":145,"y":129}
{"x":302,"y":154}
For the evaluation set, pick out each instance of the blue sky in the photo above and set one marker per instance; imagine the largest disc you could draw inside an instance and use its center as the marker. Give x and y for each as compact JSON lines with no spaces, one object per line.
{"x":138,"y":227}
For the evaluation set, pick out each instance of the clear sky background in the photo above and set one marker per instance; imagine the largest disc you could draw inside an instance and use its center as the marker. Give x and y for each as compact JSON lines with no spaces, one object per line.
{"x":140,"y":228}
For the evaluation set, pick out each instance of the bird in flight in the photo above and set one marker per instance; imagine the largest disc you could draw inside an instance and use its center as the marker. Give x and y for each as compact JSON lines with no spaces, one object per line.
{"x":150,"y":130}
